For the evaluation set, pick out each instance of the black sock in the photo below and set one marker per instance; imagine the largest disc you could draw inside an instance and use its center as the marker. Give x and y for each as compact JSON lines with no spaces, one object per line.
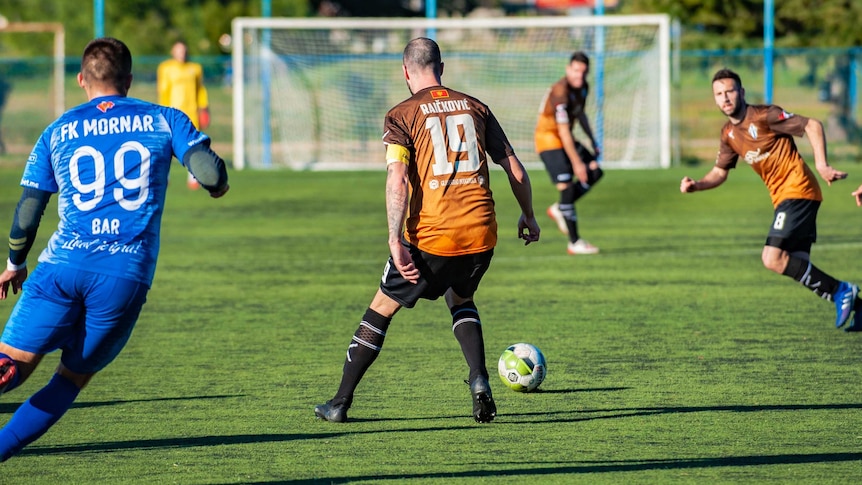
{"x":467,"y":328}
{"x":363,"y":350}
{"x":811,"y":277}
{"x":579,"y":190}
{"x":567,"y":208}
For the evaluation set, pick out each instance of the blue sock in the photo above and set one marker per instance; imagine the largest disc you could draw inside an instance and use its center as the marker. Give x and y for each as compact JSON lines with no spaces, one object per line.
{"x":15,"y":380}
{"x":37,"y":415}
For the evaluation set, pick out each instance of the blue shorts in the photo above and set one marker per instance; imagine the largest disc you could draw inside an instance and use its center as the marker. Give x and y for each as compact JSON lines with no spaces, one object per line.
{"x":89,"y":316}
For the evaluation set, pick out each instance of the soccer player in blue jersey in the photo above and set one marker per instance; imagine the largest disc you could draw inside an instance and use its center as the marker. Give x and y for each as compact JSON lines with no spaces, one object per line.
{"x":108,"y":161}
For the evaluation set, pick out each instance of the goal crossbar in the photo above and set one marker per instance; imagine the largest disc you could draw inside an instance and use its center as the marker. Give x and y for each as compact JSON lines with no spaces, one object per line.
{"x":262,"y":74}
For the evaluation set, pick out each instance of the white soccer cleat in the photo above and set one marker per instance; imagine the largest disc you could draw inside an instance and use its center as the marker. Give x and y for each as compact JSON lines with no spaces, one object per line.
{"x":581,"y":247}
{"x":555,"y":214}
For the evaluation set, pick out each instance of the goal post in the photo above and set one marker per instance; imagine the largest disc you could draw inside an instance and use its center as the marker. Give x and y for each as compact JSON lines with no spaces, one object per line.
{"x":312,"y":93}
{"x":58,"y":88}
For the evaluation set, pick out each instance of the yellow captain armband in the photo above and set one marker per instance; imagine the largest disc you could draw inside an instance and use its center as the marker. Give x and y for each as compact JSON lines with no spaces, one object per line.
{"x":397,"y":153}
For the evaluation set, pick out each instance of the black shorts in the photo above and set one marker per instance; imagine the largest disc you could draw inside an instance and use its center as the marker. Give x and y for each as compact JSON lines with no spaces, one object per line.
{"x":436,"y":275}
{"x":794,"y":226}
{"x":558,"y":165}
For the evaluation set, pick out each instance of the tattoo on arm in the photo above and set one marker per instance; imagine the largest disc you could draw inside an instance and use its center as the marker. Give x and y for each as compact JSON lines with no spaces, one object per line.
{"x":396,"y":201}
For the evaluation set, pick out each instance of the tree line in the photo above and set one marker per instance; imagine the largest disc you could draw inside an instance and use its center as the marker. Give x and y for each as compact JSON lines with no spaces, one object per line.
{"x":149,"y":27}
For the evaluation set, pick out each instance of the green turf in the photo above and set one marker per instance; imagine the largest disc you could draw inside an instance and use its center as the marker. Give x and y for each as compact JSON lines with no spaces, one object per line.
{"x":674,"y":356}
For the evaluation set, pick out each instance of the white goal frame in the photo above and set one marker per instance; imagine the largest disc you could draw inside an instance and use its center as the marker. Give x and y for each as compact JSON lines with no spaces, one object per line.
{"x":59,"y":54}
{"x":239,"y":25}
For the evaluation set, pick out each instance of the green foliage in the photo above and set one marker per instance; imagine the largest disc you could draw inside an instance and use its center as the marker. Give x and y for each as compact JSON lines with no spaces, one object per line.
{"x":716,"y":24}
{"x":818,"y":23}
{"x":149,"y":27}
{"x":673,"y":356}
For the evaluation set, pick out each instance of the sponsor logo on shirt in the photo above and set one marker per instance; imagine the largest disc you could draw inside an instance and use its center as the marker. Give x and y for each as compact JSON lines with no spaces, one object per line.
{"x":104,"y":106}
{"x":197,"y":140}
{"x":752,"y":130}
{"x":754,"y":156}
{"x":99,"y":245}
{"x":435,"y":184}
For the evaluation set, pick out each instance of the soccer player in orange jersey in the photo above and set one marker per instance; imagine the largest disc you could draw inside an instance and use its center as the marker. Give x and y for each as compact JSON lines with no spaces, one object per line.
{"x":571,"y":166}
{"x":763,"y":136}
{"x":442,"y":225}
{"x":180,"y":84}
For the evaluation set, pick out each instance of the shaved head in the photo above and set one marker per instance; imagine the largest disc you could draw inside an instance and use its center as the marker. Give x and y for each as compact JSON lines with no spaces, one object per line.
{"x":423,"y":54}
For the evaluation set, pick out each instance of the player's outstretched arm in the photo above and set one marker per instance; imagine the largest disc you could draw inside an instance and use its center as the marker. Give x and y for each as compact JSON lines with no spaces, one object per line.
{"x":528,"y":228}
{"x":817,"y":138}
{"x":711,"y":180}
{"x":208,"y":169}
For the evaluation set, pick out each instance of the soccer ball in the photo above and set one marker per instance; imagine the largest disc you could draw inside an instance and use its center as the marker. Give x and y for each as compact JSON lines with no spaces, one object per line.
{"x":522,"y":367}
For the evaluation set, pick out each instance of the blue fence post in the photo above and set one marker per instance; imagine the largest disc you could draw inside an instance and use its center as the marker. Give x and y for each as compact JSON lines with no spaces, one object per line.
{"x":768,"y":48}
{"x":853,"y":84}
{"x":266,"y":86}
{"x":599,"y":129}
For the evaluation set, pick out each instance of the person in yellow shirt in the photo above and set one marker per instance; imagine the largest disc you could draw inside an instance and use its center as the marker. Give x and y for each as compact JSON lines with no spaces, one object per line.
{"x":181,"y":85}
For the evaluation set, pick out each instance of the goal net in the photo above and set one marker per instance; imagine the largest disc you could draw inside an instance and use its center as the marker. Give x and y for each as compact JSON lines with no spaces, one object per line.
{"x":312,"y":93}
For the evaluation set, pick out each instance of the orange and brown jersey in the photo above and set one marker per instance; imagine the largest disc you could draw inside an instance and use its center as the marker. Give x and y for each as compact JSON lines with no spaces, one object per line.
{"x":561,"y":104}
{"x":443,"y":137}
{"x":764,"y":139}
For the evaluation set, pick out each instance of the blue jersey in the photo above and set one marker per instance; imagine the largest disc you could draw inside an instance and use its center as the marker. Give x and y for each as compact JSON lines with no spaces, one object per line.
{"x":108,"y":160}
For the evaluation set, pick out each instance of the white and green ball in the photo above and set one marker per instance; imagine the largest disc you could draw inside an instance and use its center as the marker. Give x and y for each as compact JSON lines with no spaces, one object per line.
{"x":522,"y":367}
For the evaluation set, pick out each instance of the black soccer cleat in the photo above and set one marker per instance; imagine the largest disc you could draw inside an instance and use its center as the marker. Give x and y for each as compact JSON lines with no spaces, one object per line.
{"x":484,"y":408}
{"x":333,"y":411}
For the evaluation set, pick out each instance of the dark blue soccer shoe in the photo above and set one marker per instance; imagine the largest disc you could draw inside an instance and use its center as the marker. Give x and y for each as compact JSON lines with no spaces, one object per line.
{"x":856,"y":326}
{"x":844,"y":299}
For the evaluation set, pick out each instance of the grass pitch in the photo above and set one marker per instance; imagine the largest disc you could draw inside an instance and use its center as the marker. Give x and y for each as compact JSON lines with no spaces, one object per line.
{"x":673,"y":356}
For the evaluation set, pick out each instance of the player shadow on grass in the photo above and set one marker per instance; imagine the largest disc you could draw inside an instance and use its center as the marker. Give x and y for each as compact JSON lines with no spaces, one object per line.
{"x":10,"y":407}
{"x":609,"y":466}
{"x":502,"y":420}
{"x":583,"y":389}
{"x":617,"y":413}
{"x":580,"y":415}
{"x":238,"y":439}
